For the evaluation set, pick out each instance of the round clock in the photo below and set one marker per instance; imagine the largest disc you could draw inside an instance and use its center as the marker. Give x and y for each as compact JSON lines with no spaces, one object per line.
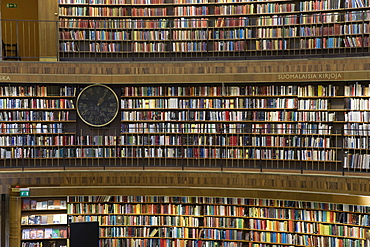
{"x":97,"y":105}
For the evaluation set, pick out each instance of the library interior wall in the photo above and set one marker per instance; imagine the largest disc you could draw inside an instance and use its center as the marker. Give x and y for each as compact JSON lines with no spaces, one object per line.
{"x":29,"y":36}
{"x":309,"y":186}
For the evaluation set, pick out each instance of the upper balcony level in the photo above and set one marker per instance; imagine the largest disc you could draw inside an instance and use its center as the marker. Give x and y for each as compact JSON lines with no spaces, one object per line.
{"x":187,"y":31}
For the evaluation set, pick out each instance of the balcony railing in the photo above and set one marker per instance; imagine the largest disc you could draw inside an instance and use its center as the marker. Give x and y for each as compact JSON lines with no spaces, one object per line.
{"x":329,"y":149}
{"x":289,"y":36}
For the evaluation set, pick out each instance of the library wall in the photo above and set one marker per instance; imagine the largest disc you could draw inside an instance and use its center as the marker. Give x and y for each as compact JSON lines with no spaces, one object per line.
{"x":336,"y":187}
{"x":305,"y":70}
{"x":23,"y":33}
{"x":313,"y":186}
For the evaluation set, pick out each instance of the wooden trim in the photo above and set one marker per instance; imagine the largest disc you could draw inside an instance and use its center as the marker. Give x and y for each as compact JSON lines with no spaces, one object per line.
{"x":310,"y":187}
{"x":307,"y":70}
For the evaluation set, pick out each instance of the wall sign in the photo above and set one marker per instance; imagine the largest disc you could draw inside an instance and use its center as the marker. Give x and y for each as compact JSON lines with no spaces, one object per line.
{"x":11,"y":5}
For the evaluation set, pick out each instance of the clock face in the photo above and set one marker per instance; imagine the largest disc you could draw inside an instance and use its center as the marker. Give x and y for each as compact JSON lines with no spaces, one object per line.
{"x":97,"y":105}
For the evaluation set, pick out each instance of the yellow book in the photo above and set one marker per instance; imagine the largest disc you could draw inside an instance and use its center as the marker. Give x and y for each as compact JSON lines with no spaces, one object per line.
{"x":319,"y":90}
{"x":152,"y":234}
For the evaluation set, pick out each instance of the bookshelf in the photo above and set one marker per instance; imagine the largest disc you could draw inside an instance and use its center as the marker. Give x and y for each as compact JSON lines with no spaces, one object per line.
{"x":304,"y":126}
{"x":35,"y":121}
{"x":168,"y":29}
{"x":208,"y":221}
{"x":44,"y":222}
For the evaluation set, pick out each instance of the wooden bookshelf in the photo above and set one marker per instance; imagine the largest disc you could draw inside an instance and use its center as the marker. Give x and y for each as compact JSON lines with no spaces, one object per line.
{"x":198,"y":221}
{"x":44,"y":222}
{"x":114,"y":29}
{"x":305,"y":126}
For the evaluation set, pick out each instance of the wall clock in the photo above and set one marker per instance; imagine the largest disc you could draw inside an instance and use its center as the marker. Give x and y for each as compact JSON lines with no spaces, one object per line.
{"x":97,"y":105}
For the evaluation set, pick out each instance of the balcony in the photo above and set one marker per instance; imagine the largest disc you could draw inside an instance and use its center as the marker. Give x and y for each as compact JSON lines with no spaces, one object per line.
{"x":139,"y":40}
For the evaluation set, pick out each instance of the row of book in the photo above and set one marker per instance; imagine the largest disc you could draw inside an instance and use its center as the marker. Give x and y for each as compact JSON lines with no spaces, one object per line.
{"x":247,"y":91}
{"x":358,"y":129}
{"x":314,"y":215}
{"x":262,"y":203}
{"x":31,"y":140}
{"x":356,"y":142}
{"x":357,"y":89}
{"x":232,"y":128}
{"x":162,"y":242}
{"x":357,"y":116}
{"x":227,"y":141}
{"x":238,"y":115}
{"x":107,"y":11}
{"x":284,"y":239}
{"x":203,"y":128}
{"x":28,"y":204}
{"x":34,"y":116}
{"x":31,"y":128}
{"x":149,"y":220}
{"x":229,"y":46}
{"x":155,"y":209}
{"x":275,"y":20}
{"x":319,"y":5}
{"x":94,"y":35}
{"x":188,"y":140}
{"x":312,"y":4}
{"x":218,"y":103}
{"x":258,"y":153}
{"x":11,"y":103}
{"x":192,"y":46}
{"x":44,"y":233}
{"x":306,"y":227}
{"x":113,"y":10}
{"x":149,"y":232}
{"x":313,"y":104}
{"x":356,"y":161}
{"x":46,"y":219}
{"x":39,"y":91}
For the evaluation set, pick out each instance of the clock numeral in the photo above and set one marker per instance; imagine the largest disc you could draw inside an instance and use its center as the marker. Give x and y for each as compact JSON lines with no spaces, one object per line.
{"x":83,"y":96}
{"x":90,"y":91}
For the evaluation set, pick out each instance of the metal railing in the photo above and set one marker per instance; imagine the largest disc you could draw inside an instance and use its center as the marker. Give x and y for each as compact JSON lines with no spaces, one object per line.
{"x":253,"y":37}
{"x":52,"y":145}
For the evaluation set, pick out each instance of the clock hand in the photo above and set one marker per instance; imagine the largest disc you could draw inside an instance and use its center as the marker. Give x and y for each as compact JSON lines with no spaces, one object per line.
{"x":101,"y":100}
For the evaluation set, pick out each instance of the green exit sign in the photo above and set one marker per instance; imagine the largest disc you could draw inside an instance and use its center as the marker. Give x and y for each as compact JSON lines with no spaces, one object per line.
{"x":24,"y":192}
{"x":11,"y":5}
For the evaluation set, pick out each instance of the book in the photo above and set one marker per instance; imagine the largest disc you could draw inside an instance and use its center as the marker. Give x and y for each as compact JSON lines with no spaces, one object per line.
{"x":48,"y":233}
{"x":63,"y":233}
{"x":31,"y":220}
{"x":55,"y":233}
{"x":57,"y":204}
{"x":38,"y":205}
{"x":37,"y":219}
{"x":33,"y":204}
{"x":39,"y":233}
{"x":153,"y":232}
{"x":24,"y":220}
{"x":50,"y":204}
{"x":56,"y":219}
{"x":26,"y":234}
{"x":33,"y":234}
{"x":44,"y":219}
{"x":26,"y":204}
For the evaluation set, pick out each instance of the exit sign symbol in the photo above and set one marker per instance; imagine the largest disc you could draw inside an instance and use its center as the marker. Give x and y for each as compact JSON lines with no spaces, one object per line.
{"x":11,"y":5}
{"x":24,"y":192}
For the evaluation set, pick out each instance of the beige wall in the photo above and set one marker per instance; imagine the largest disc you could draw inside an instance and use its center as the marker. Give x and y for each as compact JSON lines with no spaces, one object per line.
{"x":20,"y":26}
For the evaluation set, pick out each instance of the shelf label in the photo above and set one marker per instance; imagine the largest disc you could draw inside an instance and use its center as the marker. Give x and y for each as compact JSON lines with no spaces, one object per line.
{"x":4,"y":78}
{"x":308,"y":76}
{"x":24,"y":192}
{"x":12,"y":5}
